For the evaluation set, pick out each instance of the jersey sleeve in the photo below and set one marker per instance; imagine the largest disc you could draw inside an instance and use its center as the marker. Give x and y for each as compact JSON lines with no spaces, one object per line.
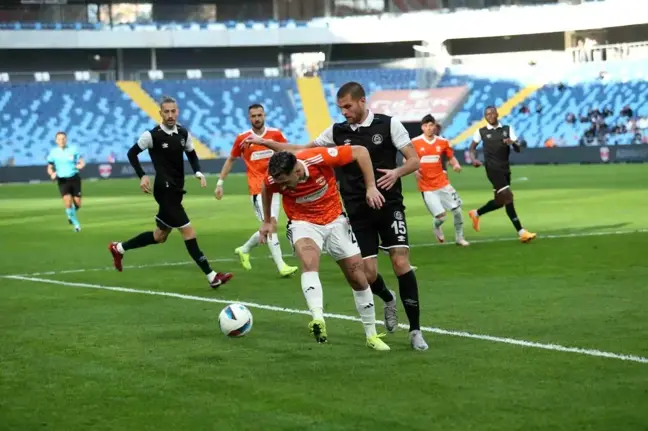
{"x":399,"y":135}
{"x":477,"y":136}
{"x":271,"y":187}
{"x":50,"y":157}
{"x":280,"y":137}
{"x":325,"y":139}
{"x":189,"y":146}
{"x":333,"y":156}
{"x":512,"y":134}
{"x":449,"y":152}
{"x":236,"y":148}
{"x":145,"y":141}
{"x":77,"y":155}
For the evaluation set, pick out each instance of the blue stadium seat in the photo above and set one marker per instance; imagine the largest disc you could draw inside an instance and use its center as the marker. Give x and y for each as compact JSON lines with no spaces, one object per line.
{"x":98,"y":118}
{"x":216,"y":110}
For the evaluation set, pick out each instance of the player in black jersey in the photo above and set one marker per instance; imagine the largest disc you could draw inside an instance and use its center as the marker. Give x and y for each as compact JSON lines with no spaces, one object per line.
{"x":385,"y":228}
{"x":167,"y":143}
{"x":498,"y":140}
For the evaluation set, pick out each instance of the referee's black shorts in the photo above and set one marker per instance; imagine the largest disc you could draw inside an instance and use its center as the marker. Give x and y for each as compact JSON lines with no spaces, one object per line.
{"x":381,"y":229}
{"x":499,"y":178}
{"x":70,"y":186}
{"x":171,"y":214}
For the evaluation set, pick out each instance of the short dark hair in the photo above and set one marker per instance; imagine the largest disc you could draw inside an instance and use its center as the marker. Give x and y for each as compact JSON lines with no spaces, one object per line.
{"x":428,"y":119}
{"x":255,"y":106}
{"x":61,"y":132}
{"x":282,"y":162}
{"x":351,"y":88}
{"x":166,"y":99}
{"x":490,"y":107}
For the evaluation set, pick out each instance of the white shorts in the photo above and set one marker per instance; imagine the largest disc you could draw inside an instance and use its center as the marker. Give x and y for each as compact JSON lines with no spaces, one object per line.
{"x":441,"y":200}
{"x":257,"y":204}
{"x":335,"y":238}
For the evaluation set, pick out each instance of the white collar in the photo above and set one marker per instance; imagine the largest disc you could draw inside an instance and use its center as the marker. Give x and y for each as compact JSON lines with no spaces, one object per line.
{"x":305,"y":171}
{"x":265,"y":130}
{"x":366,"y":123}
{"x":168,"y":131}
{"x":497,"y":126}
{"x":428,"y":141}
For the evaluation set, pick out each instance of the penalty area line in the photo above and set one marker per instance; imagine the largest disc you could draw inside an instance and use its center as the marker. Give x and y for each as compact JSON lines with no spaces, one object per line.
{"x":230,"y":260}
{"x":462,"y":334}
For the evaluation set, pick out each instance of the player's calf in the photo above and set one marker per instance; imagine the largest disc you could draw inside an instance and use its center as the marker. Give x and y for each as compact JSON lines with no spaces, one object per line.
{"x":457,"y":215}
{"x":215,"y":279}
{"x":353,"y":269}
{"x":438,"y":222}
{"x":408,"y":289}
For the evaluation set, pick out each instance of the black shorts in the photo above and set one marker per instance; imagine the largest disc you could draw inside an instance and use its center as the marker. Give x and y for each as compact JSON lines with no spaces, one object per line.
{"x":70,"y":186}
{"x":500,"y":179}
{"x":171,"y":214}
{"x":378,"y":229}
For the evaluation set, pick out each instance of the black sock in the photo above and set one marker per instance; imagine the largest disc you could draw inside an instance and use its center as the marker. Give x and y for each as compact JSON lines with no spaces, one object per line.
{"x":408,"y":288}
{"x":379,"y":289}
{"x":197,"y":255}
{"x":139,"y":241}
{"x":490,"y":206}
{"x":510,"y":211}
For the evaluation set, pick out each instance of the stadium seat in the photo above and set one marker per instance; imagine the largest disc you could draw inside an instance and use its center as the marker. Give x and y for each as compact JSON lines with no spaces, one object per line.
{"x":216,"y":110}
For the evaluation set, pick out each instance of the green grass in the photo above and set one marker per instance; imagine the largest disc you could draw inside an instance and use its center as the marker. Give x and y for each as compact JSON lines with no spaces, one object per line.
{"x":74,"y":358}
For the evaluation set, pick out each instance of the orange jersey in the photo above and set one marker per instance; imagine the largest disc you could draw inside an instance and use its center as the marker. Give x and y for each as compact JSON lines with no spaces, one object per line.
{"x":256,"y":157}
{"x":431,"y":167}
{"x":316,"y":199}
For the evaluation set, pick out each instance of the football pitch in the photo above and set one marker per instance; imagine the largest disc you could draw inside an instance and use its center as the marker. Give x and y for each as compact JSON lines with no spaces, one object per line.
{"x":547,"y":335}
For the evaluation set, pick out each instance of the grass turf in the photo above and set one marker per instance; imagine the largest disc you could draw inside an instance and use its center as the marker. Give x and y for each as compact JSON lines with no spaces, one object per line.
{"x":74,"y":357}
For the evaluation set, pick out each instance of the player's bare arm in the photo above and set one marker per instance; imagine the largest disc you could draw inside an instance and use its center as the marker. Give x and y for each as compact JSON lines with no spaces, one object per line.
{"x":455,"y":164}
{"x":81,"y":164}
{"x":516,"y":145}
{"x":361,"y":155}
{"x":411,"y":164}
{"x":277,"y":146}
{"x":473,"y":154}
{"x":50,"y":171}
{"x":267,"y":226}
{"x":225,"y":171}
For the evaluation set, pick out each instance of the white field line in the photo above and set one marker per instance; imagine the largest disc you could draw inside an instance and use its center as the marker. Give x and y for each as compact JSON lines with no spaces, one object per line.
{"x":431,"y":244}
{"x":523,"y":343}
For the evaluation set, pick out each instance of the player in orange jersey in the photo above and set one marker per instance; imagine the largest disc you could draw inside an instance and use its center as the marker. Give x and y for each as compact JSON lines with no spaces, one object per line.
{"x":439,"y":196}
{"x":316,"y":223}
{"x":256,"y":159}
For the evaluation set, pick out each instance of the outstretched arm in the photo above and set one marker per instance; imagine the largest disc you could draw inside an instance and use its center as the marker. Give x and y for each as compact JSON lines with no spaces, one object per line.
{"x":323,"y":140}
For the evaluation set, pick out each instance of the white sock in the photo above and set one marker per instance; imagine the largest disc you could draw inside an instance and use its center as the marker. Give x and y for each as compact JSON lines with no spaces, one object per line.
{"x":120,"y":248}
{"x":520,"y":232}
{"x":211,"y":276}
{"x":312,"y":288}
{"x":275,"y":251}
{"x":458,"y":223}
{"x":438,"y":221}
{"x":366,"y":310}
{"x":254,"y":240}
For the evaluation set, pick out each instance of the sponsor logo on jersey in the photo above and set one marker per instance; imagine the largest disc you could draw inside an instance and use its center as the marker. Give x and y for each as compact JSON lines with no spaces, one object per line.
{"x":313,"y":196}
{"x":263,"y":154}
{"x":333,"y":152}
{"x":430,"y":159}
{"x":377,"y":139}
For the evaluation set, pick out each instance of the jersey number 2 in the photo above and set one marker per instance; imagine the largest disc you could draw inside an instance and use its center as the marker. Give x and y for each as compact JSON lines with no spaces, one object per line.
{"x":352,"y":236}
{"x":399,"y":227}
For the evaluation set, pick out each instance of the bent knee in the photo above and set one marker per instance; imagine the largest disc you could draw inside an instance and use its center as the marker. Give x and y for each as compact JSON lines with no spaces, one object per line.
{"x":441,"y":216}
{"x":400,"y":261}
{"x":160,"y":236}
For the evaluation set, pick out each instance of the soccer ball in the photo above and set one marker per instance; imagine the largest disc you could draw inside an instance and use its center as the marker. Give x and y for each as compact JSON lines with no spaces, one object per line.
{"x":235,"y":320}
